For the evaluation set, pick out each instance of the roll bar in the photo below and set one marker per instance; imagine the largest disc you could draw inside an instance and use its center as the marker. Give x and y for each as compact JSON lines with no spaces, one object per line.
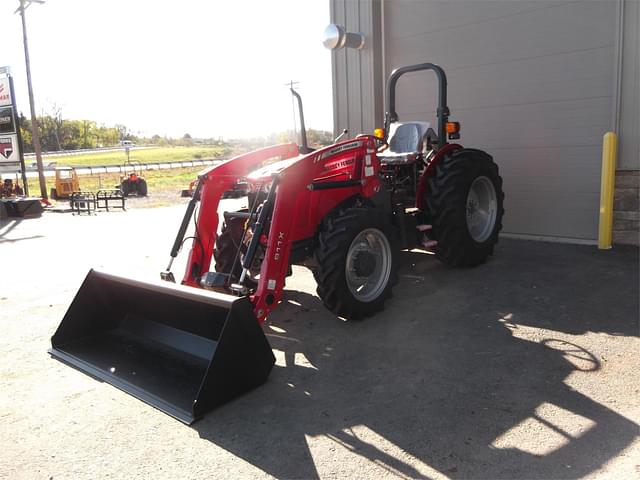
{"x":443,"y":110}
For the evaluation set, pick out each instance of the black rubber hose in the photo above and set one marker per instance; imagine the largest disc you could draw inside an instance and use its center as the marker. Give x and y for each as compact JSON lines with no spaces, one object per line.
{"x":259,"y":225}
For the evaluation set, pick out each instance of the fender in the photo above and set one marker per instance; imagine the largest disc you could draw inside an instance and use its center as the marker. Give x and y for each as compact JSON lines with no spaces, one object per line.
{"x":437,"y":157}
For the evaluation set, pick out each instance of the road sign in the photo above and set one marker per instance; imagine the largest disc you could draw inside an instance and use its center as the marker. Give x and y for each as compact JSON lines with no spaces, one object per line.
{"x":10,"y":138}
{"x":9,"y":151}
{"x":9,"y":143}
{"x":5,"y":92}
{"x":7,"y":121}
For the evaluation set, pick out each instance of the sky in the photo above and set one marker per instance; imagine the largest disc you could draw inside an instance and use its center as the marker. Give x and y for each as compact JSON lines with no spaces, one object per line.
{"x":209,"y":68}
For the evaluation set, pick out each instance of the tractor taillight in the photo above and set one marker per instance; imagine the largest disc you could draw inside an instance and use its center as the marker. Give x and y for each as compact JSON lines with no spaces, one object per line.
{"x":453,"y":127}
{"x":378,"y":133}
{"x":453,"y":130}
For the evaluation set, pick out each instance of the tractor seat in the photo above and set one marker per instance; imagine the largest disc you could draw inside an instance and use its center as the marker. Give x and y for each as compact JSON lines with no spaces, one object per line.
{"x":405,"y":142}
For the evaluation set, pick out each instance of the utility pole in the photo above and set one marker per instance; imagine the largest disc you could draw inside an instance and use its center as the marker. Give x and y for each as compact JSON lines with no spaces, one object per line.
{"x":24,"y":4}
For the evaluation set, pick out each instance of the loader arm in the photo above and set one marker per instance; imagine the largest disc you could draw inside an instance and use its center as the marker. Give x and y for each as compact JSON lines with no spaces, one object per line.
{"x":307,"y":190}
{"x":215,"y":181}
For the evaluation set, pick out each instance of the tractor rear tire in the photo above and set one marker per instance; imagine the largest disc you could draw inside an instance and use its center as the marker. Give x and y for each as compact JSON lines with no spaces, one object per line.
{"x":464,"y":203}
{"x":355,"y":263}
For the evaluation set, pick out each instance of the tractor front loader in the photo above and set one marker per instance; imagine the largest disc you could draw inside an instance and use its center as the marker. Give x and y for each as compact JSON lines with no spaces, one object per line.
{"x":344,"y":211}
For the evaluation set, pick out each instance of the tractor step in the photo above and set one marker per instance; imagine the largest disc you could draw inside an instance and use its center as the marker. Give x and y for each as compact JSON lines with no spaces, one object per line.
{"x":425,"y":241}
{"x":429,"y":244}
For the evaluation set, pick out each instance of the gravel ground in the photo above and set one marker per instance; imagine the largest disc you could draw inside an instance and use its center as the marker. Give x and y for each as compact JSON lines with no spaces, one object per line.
{"x":525,"y":367}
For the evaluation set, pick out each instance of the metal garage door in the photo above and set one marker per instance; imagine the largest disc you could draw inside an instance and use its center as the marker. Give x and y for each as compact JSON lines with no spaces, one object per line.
{"x":532,"y":83}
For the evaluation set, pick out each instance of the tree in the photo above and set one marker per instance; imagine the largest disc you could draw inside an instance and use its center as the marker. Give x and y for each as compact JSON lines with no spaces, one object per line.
{"x":187,"y":141}
{"x":25,"y":131}
{"x":57,"y":123}
{"x":123,"y":131}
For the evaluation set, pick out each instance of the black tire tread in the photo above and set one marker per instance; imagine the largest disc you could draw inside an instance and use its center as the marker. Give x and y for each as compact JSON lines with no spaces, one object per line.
{"x":142,"y":187}
{"x":337,"y":232}
{"x":125,"y":187}
{"x":445,"y":206}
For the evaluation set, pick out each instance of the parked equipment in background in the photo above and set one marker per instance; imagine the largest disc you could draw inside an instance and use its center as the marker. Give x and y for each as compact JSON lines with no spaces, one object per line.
{"x":131,"y":182}
{"x":9,"y":189}
{"x":110,"y":198}
{"x":83,"y":202}
{"x":67,"y":182}
{"x":13,"y":203}
{"x":90,"y":203}
{"x":20,"y":207}
{"x":239,"y":190}
{"x":188,"y":192}
{"x":345,"y":211}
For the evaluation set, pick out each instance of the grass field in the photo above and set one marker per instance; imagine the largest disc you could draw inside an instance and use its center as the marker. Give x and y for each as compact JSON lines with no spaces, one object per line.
{"x":158,"y":181}
{"x":149,"y":155}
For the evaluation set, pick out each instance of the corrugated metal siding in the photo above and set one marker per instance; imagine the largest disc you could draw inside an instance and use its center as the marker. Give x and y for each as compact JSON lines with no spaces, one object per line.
{"x":357,"y":74}
{"x":532,"y":82}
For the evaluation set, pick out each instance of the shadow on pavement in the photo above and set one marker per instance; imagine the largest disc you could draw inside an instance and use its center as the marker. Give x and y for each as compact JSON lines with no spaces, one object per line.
{"x":13,"y":240}
{"x":6,"y":226}
{"x":441,"y":376}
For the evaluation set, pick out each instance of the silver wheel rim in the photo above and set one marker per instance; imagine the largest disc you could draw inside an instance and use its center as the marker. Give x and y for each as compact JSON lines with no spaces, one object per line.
{"x":368,"y":265}
{"x":482,"y":208}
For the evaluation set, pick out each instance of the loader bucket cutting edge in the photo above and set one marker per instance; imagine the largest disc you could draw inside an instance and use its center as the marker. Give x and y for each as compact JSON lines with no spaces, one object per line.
{"x":181,"y":350}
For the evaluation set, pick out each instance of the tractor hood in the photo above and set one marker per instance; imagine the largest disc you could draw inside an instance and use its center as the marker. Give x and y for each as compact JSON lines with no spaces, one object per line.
{"x":267,"y":171}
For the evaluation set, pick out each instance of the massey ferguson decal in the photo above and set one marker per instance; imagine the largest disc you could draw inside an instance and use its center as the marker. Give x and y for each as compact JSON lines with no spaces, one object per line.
{"x":339,"y":164}
{"x":6,"y":147}
{"x":341,"y":148}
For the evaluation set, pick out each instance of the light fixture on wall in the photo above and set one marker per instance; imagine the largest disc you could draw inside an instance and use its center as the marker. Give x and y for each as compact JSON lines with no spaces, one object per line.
{"x":336,"y":37}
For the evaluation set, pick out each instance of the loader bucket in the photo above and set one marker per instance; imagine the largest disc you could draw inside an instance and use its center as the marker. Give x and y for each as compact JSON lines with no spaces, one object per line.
{"x":180,"y":349}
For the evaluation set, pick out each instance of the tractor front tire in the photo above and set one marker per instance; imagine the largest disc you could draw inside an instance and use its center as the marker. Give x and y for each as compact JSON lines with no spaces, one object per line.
{"x":464,"y":203}
{"x":142,"y":187}
{"x":125,"y":187}
{"x":355,"y":263}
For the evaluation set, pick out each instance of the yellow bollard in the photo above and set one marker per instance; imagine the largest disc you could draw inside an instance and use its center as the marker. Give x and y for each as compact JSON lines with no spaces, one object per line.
{"x":607,"y":186}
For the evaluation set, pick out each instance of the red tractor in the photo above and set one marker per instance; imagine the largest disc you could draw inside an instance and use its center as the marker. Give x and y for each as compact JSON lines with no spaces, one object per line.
{"x":345,"y":211}
{"x":131,"y":182}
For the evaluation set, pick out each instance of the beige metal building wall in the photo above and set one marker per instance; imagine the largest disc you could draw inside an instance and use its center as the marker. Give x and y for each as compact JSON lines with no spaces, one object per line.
{"x":535,"y":83}
{"x":358,"y":81}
